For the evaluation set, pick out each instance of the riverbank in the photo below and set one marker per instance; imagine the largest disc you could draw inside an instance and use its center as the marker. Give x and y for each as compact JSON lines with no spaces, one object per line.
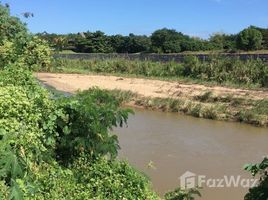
{"x":227,"y":72}
{"x":212,"y":102}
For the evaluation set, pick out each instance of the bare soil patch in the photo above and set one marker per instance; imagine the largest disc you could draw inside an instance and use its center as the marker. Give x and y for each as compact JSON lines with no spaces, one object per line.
{"x":144,"y":87}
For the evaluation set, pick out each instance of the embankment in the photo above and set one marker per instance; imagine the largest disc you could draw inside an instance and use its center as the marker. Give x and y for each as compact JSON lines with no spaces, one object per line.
{"x":213,"y":102}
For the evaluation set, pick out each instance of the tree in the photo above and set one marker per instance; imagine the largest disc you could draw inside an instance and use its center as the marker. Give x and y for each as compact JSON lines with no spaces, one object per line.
{"x":11,"y":28}
{"x":19,"y":46}
{"x":118,"y":43}
{"x":222,"y":41}
{"x":217,"y":40}
{"x":137,"y":43}
{"x":96,"y":42}
{"x":167,"y":41}
{"x":264,"y":32}
{"x":249,"y":39}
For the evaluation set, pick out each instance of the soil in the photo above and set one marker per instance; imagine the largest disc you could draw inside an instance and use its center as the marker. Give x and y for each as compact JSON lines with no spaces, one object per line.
{"x":144,"y":87}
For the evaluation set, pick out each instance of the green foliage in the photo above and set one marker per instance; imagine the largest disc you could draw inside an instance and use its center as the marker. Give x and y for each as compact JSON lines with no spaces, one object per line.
{"x":34,"y":55}
{"x":23,"y":138}
{"x":264,"y":32}
{"x":90,"y":116}
{"x":18,"y":46}
{"x":36,"y":131}
{"x":166,"y":41}
{"x":249,"y":39}
{"x":259,"y":192}
{"x":113,"y":180}
{"x":93,"y":179}
{"x":96,"y":42}
{"x":39,"y":134}
{"x":223,"y":41}
{"x":217,"y":69}
{"x":37,"y":55}
{"x":161,"y":41}
{"x":180,"y":194}
{"x":11,"y":27}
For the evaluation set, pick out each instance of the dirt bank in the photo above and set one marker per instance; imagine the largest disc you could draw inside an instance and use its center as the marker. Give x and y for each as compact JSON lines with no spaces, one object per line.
{"x":145,"y":87}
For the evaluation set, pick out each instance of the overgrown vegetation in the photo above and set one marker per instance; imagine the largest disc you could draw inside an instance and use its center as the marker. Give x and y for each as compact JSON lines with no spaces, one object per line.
{"x":57,"y":148}
{"x":259,"y":192}
{"x":206,"y":105}
{"x":62,"y":148}
{"x":217,"y":69}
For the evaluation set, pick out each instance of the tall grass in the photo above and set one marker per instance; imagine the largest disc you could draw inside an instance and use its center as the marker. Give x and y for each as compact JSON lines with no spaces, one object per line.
{"x":208,"y":105}
{"x":217,"y":69}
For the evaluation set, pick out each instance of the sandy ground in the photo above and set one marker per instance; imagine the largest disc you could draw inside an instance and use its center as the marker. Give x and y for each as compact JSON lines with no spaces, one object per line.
{"x":145,"y":87}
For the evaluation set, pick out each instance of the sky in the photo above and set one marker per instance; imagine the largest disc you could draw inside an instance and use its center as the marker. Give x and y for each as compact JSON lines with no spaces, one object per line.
{"x":199,"y":18}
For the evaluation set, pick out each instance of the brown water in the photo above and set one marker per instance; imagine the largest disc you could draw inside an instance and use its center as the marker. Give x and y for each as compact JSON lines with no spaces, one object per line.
{"x":178,"y":143}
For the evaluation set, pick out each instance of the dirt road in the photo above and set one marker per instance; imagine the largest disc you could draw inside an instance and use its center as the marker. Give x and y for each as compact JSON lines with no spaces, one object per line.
{"x":145,"y":87}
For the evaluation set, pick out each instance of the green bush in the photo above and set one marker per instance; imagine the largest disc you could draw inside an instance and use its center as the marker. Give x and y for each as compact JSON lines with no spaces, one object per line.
{"x":39,"y":134}
{"x":90,"y":116}
{"x":180,"y":194}
{"x":19,"y":46}
{"x":92,"y":179}
{"x":260,"y":191}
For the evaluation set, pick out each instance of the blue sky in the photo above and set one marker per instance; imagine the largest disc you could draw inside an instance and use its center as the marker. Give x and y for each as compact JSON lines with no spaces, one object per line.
{"x":194,"y":17}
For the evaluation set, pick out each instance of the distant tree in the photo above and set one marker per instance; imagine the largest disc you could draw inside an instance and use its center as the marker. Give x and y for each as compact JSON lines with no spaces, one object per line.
{"x":264,"y":32}
{"x":118,"y":43}
{"x":56,"y":41}
{"x":217,"y":40}
{"x":161,"y":41}
{"x":222,"y":41}
{"x":137,"y":43}
{"x":230,"y":42}
{"x":167,"y":41}
{"x":96,"y":42}
{"x":249,"y":39}
{"x":60,"y":43}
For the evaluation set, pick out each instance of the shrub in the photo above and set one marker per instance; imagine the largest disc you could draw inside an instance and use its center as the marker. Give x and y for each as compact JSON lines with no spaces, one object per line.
{"x":180,"y":194}
{"x":37,"y":132}
{"x":260,"y":191}
{"x":18,"y":46}
{"x":90,"y":116}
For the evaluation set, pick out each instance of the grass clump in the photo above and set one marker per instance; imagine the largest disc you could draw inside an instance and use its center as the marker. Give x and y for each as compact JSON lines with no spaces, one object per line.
{"x":207,"y":105}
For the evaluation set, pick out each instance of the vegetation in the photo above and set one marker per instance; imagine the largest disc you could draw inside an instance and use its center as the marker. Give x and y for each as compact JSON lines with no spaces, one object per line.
{"x":250,"y":39}
{"x":161,"y":41}
{"x":62,"y":147}
{"x":260,"y":191}
{"x":179,"y":194}
{"x":57,"y":147}
{"x":217,"y":69}
{"x":207,"y":105}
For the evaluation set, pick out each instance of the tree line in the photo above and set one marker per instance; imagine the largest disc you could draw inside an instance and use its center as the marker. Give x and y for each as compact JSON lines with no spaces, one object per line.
{"x":160,"y":41}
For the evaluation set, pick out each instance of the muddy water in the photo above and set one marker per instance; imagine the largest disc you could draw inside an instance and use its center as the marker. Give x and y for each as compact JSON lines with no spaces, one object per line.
{"x":174,"y":144}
